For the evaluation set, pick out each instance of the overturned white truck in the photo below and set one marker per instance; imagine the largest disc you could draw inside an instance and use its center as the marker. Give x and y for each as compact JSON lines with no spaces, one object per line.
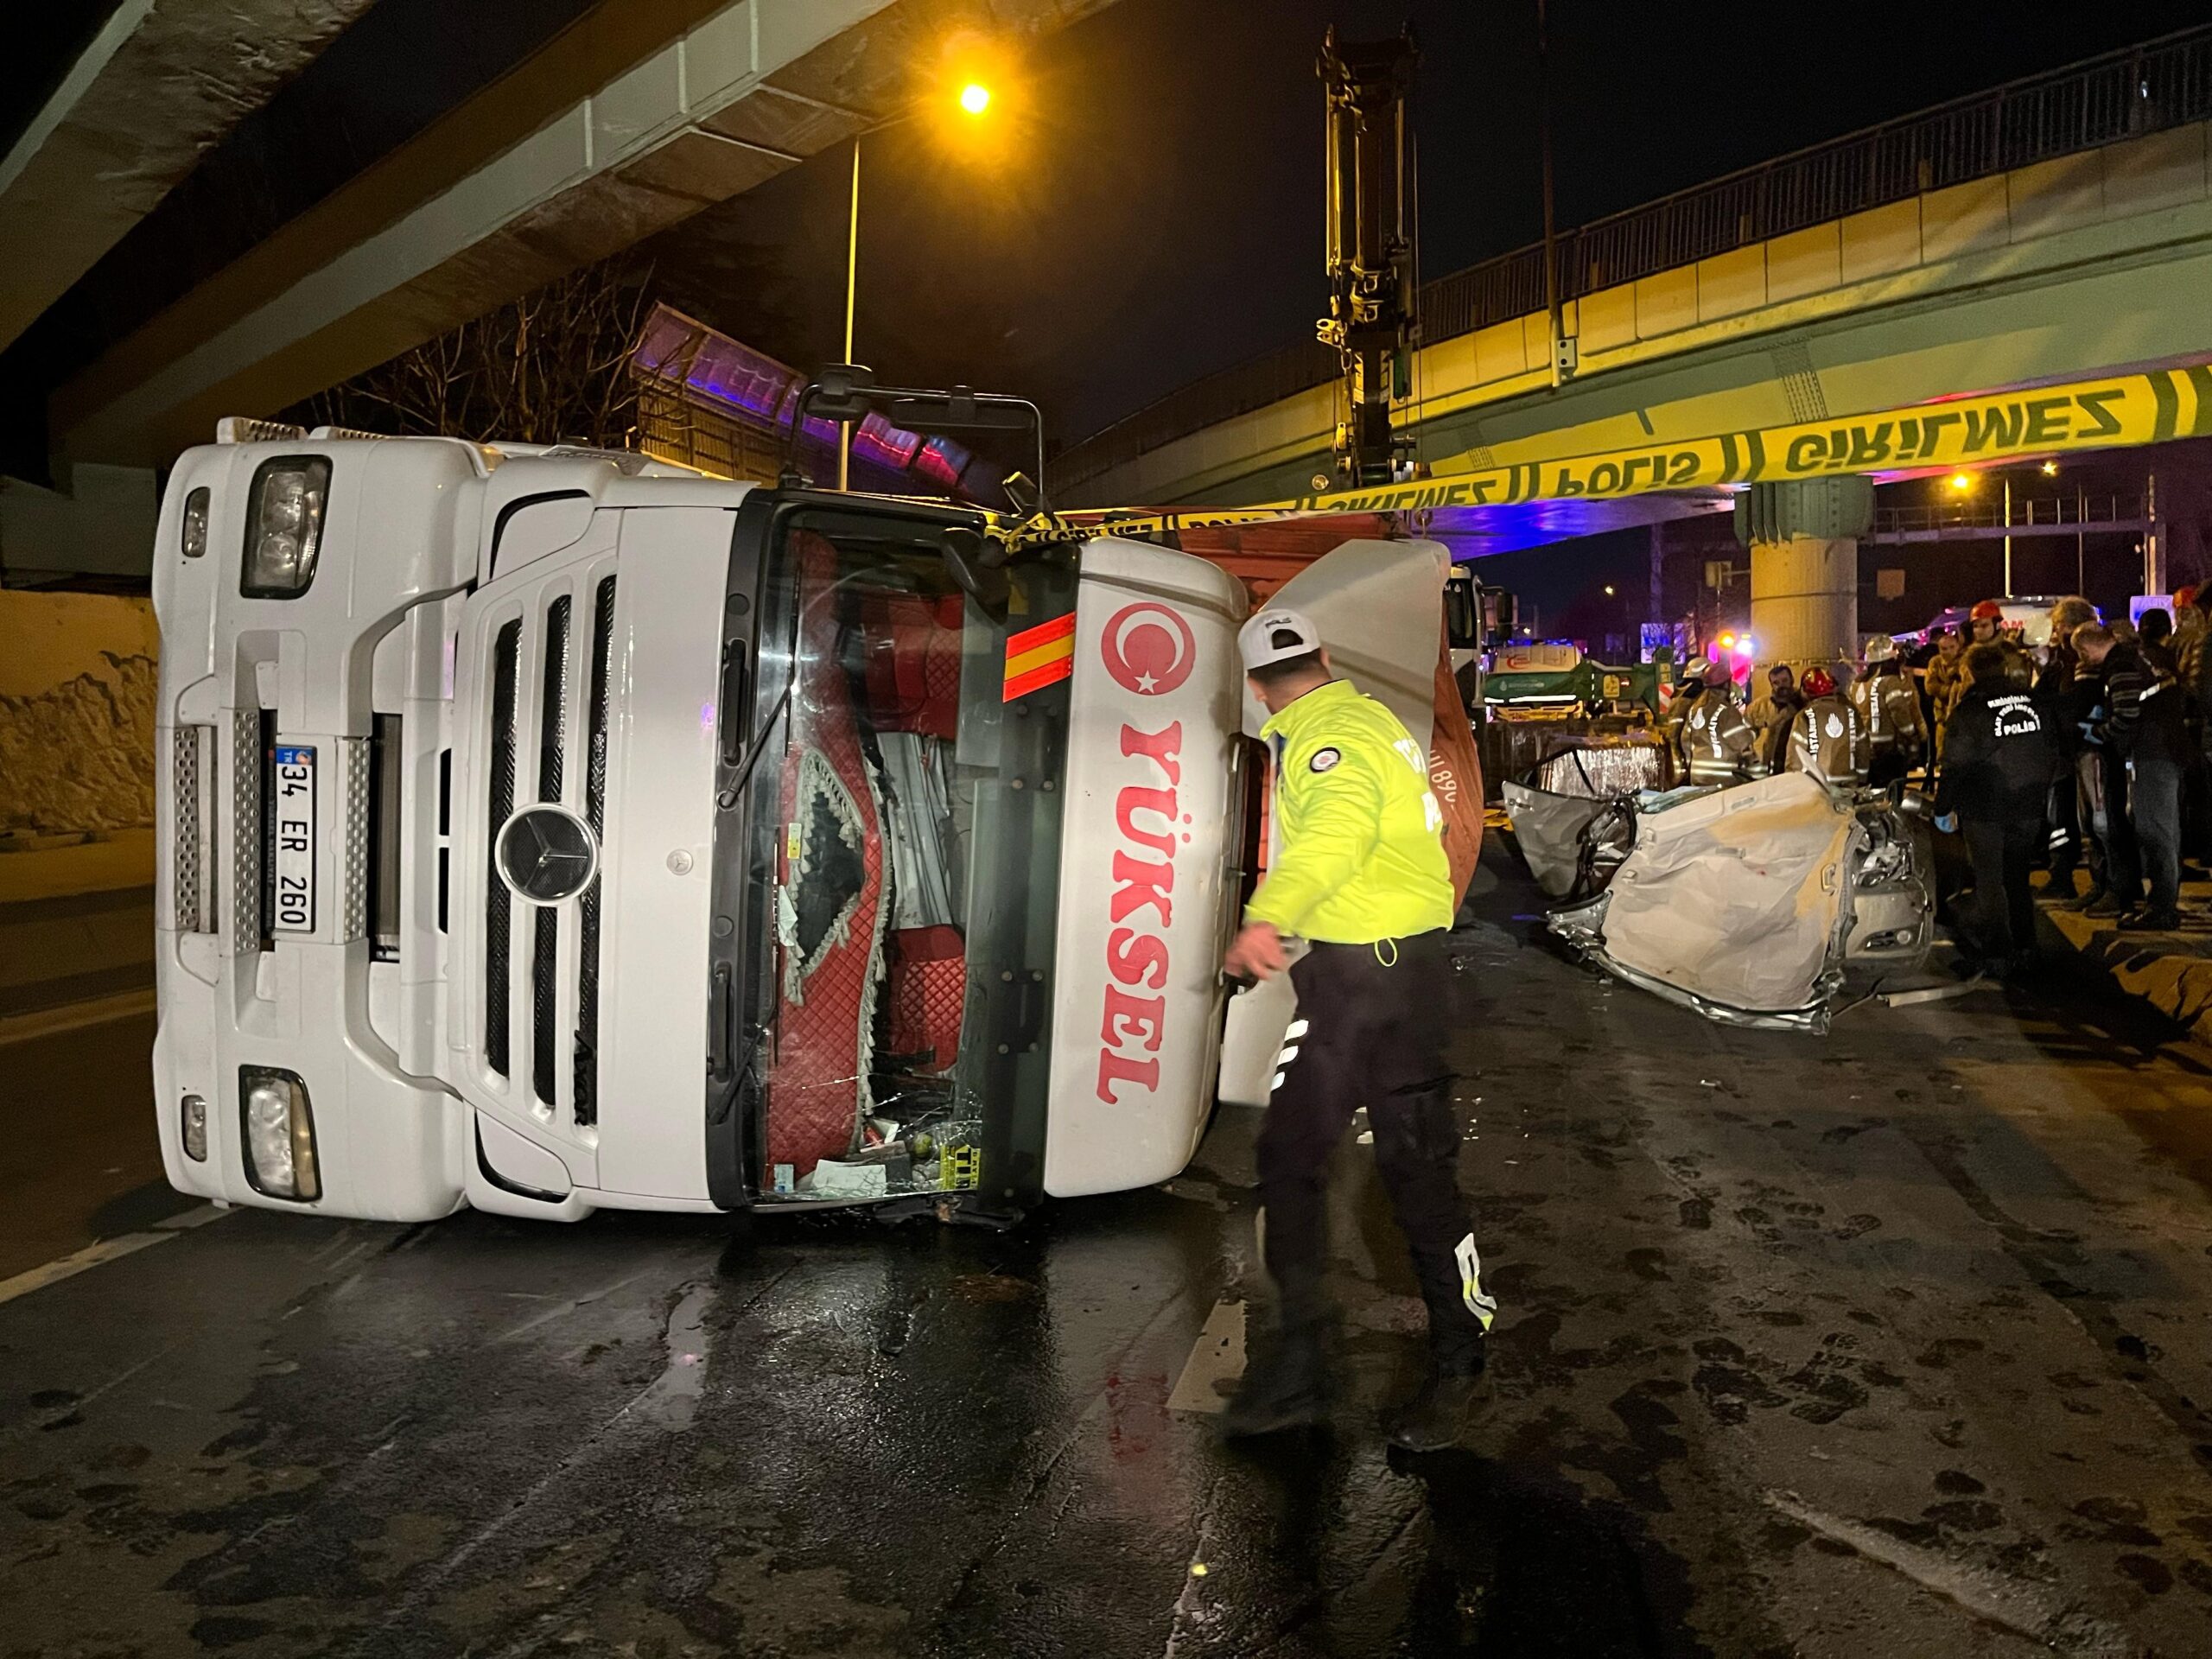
{"x":547,"y":830}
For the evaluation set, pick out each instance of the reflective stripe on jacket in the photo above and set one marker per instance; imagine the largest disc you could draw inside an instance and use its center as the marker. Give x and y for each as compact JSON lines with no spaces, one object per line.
{"x":2143,"y":712}
{"x":1889,"y":707}
{"x":1360,"y":853}
{"x":1828,"y":739}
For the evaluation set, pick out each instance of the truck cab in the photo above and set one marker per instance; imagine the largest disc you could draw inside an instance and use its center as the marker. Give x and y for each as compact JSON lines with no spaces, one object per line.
{"x":548,"y":831}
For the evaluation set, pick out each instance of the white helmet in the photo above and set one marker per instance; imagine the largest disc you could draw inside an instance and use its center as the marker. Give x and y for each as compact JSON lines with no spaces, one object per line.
{"x":1882,"y":648}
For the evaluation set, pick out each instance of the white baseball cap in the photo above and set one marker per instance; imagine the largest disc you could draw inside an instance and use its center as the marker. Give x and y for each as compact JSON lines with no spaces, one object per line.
{"x":1275,"y":635}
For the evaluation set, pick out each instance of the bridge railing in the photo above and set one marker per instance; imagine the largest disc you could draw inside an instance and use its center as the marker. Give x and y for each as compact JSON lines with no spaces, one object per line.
{"x":2103,"y":100}
{"x":2086,"y":511}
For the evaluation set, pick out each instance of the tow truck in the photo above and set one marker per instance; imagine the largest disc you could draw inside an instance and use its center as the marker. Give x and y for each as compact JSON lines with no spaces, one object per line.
{"x":545,"y":829}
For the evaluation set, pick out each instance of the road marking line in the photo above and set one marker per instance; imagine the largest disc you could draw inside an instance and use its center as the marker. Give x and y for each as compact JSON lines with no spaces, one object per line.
{"x":1217,"y":1357}
{"x":74,"y":1016}
{"x":108,"y":1249}
{"x":199,"y":1216}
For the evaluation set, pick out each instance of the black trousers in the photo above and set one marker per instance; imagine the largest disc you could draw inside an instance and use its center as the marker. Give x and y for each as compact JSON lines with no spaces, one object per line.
{"x":2003,"y":852}
{"x":2068,"y":839}
{"x":1370,"y":1033}
{"x":2093,"y":814}
{"x":2147,"y":835}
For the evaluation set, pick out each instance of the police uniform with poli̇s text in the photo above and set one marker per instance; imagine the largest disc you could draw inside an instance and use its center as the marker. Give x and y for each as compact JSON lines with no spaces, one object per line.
{"x":1359,"y":872}
{"x":1999,"y":757}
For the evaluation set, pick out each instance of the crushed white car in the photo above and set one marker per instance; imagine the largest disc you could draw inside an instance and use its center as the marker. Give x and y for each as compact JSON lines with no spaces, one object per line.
{"x":1768,"y":903}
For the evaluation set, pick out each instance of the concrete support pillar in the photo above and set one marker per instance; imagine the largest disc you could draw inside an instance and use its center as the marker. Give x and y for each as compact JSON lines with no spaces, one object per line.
{"x":1803,"y":538}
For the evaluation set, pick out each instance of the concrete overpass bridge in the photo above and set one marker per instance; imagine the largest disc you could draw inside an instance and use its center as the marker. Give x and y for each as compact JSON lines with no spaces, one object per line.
{"x":225,"y":206}
{"x":2051,"y":229}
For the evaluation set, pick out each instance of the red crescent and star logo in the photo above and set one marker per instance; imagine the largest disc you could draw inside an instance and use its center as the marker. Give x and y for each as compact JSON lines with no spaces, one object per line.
{"x":1148,"y":649}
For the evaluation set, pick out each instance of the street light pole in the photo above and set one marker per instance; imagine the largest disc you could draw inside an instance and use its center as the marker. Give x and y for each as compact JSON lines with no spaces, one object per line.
{"x":2008,"y":529}
{"x":975,"y":98}
{"x":852,"y":277}
{"x":1551,"y":254}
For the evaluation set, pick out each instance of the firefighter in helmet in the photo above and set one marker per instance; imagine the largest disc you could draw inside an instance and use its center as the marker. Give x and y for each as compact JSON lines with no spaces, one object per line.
{"x":1696,"y":691}
{"x":1828,"y":739}
{"x":1719,"y":743}
{"x":1986,"y":626}
{"x":1888,"y":706}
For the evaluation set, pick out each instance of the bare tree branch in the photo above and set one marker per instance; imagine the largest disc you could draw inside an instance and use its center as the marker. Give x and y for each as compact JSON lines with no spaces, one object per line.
{"x":553,"y":367}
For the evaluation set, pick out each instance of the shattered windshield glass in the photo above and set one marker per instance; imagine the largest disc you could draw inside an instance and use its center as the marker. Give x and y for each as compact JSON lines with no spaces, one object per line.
{"x":907,"y":819}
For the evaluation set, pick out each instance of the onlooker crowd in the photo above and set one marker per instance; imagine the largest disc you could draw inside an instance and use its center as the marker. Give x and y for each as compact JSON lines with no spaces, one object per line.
{"x":2091,"y":754}
{"x":2114,"y":723}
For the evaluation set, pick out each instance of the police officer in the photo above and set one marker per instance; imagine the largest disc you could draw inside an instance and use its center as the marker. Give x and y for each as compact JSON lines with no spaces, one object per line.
{"x":1359,"y":872}
{"x":1998,"y":761}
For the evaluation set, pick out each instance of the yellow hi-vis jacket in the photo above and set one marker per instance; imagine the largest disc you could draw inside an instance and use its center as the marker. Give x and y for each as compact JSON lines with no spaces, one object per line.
{"x":1360,"y":851}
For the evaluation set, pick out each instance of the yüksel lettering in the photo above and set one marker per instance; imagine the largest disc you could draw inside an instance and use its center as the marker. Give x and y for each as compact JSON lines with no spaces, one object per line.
{"x":1142,"y":910}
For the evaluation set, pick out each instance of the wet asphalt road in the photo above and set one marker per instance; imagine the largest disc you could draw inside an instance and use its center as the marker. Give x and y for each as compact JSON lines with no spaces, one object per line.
{"x":1896,"y":1342}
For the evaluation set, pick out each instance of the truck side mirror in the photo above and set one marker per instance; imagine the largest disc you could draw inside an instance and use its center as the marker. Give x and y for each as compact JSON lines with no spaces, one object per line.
{"x":962,"y":551}
{"x":1028,"y":500}
{"x":841,"y":391}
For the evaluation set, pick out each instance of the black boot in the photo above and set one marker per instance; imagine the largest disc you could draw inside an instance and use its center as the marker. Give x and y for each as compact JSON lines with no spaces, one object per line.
{"x":1437,"y":1417}
{"x":1285,"y":1386}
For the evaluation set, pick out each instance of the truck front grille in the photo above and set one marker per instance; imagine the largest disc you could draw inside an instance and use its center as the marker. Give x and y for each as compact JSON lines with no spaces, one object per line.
{"x":554,"y":698}
{"x":545,"y":951}
{"x":498,"y":906}
{"x":602,"y":645}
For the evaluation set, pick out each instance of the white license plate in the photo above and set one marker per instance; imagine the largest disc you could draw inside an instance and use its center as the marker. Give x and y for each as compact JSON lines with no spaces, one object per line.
{"x":294,"y":897}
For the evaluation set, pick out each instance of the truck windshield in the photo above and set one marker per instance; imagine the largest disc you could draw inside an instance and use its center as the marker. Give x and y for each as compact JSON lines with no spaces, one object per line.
{"x":902,"y":866}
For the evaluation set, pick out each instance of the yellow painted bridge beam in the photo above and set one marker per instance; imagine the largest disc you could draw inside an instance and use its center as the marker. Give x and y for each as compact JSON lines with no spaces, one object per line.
{"x":2110,"y":412}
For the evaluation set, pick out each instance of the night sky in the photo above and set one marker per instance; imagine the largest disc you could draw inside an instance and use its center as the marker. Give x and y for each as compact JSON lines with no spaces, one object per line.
{"x":1154,"y":210}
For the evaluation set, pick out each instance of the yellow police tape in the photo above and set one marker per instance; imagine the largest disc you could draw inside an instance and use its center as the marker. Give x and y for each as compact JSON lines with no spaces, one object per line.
{"x":2114,"y":412}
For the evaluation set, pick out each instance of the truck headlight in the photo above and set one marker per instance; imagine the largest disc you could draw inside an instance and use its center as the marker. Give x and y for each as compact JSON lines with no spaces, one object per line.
{"x":194,"y":1129}
{"x":195,"y":524}
{"x":283,"y":526}
{"x":279,"y":1133}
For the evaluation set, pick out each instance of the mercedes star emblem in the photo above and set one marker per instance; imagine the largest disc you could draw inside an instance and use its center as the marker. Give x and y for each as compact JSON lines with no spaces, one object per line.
{"x":547,"y":853}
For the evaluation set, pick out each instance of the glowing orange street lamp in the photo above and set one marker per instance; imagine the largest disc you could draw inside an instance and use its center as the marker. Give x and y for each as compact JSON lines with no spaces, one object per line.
{"x":974,"y":99}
